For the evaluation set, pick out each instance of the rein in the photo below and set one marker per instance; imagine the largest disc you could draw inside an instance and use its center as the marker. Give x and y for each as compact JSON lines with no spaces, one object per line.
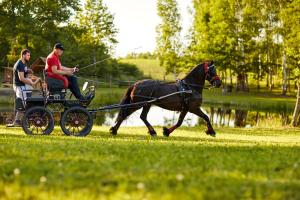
{"x":197,"y":85}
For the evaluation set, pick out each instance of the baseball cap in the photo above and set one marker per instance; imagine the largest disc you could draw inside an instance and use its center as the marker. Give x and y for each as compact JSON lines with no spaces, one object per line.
{"x":59,"y":46}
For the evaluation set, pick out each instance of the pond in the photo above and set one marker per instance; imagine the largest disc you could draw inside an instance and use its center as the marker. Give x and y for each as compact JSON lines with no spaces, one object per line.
{"x":221,"y":116}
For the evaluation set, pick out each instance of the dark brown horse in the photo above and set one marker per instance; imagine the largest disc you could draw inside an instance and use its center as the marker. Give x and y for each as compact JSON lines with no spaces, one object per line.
{"x":150,"y":89}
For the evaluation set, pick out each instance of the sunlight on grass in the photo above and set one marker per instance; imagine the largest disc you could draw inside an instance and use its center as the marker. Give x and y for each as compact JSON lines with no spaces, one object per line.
{"x":240,"y":163}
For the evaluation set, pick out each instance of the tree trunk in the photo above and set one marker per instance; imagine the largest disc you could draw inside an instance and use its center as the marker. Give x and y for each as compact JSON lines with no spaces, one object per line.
{"x":288,"y":80}
{"x":241,"y":82}
{"x":258,"y":77}
{"x":225,"y":76}
{"x":295,"y":121}
{"x":259,"y":74}
{"x":230,"y":74}
{"x":95,"y":60}
{"x":284,"y":81}
{"x":271,"y":79}
{"x":240,"y":118}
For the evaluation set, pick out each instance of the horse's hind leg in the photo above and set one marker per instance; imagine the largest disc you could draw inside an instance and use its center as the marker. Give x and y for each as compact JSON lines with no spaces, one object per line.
{"x":210,"y":131}
{"x":123,"y":114}
{"x":143,"y":116}
{"x":168,"y":131}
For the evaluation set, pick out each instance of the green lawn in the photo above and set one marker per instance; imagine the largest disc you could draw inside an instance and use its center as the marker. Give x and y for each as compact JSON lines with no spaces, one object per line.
{"x":150,"y":68}
{"x":237,"y":164}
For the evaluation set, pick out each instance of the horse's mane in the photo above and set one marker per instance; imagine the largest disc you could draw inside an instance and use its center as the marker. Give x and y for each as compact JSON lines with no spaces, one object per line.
{"x":192,"y":71}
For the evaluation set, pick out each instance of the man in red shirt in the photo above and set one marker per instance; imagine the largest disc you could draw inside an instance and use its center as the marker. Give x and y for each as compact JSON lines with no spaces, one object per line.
{"x":55,"y":70}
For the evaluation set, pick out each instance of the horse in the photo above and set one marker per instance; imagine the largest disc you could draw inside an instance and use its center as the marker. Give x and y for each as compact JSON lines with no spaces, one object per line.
{"x":183,"y":102}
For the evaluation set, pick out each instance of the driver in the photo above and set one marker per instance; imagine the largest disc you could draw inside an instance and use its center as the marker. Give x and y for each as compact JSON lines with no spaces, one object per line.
{"x":55,"y":70}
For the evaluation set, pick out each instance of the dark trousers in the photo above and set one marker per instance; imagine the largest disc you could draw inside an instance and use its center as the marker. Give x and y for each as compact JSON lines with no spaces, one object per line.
{"x":73,"y":86}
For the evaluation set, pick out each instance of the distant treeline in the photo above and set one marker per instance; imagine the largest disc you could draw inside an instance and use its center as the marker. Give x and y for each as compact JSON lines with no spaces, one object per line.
{"x":87,"y":32}
{"x":248,"y":39}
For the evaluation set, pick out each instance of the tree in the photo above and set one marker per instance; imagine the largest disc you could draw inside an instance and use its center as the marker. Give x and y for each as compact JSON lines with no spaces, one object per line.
{"x":98,"y":32}
{"x":215,"y":34}
{"x":290,"y":17}
{"x":32,"y":24}
{"x":168,"y":32}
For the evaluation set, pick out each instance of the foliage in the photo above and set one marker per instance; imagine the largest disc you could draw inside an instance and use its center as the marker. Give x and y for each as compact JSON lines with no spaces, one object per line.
{"x":130,"y":70}
{"x":145,"y":55}
{"x":32,"y":24}
{"x":247,"y":36}
{"x":168,"y":42}
{"x":290,"y":16}
{"x":87,"y":32}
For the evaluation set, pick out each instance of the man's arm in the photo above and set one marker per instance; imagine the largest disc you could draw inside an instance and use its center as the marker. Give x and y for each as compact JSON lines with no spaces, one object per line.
{"x":74,"y":69}
{"x":25,"y":80}
{"x":62,"y":71}
{"x":66,"y":68}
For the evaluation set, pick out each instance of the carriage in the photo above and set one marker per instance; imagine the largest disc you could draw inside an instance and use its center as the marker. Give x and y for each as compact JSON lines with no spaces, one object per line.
{"x":76,"y":119}
{"x":51,"y":99}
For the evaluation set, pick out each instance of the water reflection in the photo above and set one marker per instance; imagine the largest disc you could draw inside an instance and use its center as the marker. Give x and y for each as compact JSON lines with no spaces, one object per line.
{"x":220,"y":117}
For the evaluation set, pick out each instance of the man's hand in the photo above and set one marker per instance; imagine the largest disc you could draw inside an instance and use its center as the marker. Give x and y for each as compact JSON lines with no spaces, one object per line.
{"x":75,"y":69}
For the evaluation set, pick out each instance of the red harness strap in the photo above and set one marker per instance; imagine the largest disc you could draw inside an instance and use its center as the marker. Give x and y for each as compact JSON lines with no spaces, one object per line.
{"x":216,"y":78}
{"x":206,"y":73}
{"x":206,"y":67}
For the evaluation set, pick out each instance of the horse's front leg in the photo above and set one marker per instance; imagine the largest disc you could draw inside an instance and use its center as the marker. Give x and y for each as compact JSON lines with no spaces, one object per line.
{"x":210,"y":131}
{"x":168,"y":131}
{"x":143,"y":116}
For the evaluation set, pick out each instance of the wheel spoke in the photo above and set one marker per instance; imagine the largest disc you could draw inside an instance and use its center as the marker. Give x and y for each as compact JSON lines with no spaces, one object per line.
{"x":38,"y":120}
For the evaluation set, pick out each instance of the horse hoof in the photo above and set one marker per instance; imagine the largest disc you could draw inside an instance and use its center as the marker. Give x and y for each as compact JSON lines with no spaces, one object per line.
{"x":211,"y":132}
{"x":152,"y":133}
{"x":166,"y":132}
{"x":113,"y":131}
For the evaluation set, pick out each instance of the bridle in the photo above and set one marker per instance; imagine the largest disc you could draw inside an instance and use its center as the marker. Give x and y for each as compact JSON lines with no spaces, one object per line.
{"x":207,"y":75}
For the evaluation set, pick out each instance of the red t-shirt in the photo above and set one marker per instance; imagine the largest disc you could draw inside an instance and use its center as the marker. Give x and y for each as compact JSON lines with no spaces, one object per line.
{"x":53,"y":60}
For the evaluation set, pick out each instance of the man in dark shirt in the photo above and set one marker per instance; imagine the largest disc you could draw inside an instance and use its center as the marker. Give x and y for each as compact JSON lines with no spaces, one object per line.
{"x":21,"y":82}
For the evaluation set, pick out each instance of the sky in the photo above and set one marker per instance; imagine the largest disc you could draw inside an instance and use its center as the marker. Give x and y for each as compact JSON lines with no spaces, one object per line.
{"x":136,"y":21}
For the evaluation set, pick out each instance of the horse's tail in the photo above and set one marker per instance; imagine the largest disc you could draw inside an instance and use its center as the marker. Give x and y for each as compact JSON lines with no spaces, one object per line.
{"x":125,"y":100}
{"x":126,"y":97}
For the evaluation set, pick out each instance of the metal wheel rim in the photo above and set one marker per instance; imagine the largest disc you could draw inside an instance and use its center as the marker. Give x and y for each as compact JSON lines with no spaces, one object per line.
{"x":76,"y":121}
{"x":37,"y":122}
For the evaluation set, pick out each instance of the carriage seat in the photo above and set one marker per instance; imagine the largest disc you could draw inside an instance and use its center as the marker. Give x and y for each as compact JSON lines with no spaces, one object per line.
{"x":34,"y":101}
{"x":55,"y":87}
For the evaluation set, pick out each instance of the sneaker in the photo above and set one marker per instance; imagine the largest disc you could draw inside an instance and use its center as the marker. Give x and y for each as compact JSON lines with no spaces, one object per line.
{"x":16,"y":123}
{"x":90,"y":96}
{"x":85,"y":101}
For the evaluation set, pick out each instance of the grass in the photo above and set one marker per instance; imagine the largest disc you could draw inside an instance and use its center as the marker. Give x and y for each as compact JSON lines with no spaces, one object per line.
{"x":238,"y":164}
{"x":150,"y":68}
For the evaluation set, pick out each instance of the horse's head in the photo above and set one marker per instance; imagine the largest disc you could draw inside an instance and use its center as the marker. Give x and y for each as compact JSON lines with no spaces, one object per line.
{"x":211,"y":74}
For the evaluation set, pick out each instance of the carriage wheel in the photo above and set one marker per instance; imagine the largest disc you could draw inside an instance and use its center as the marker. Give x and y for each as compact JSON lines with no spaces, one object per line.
{"x":38,"y":120}
{"x":76,"y":121}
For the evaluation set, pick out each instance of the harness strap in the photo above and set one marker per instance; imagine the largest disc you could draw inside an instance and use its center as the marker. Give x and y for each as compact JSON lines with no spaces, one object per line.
{"x":206,"y":67}
{"x":184,"y":96}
